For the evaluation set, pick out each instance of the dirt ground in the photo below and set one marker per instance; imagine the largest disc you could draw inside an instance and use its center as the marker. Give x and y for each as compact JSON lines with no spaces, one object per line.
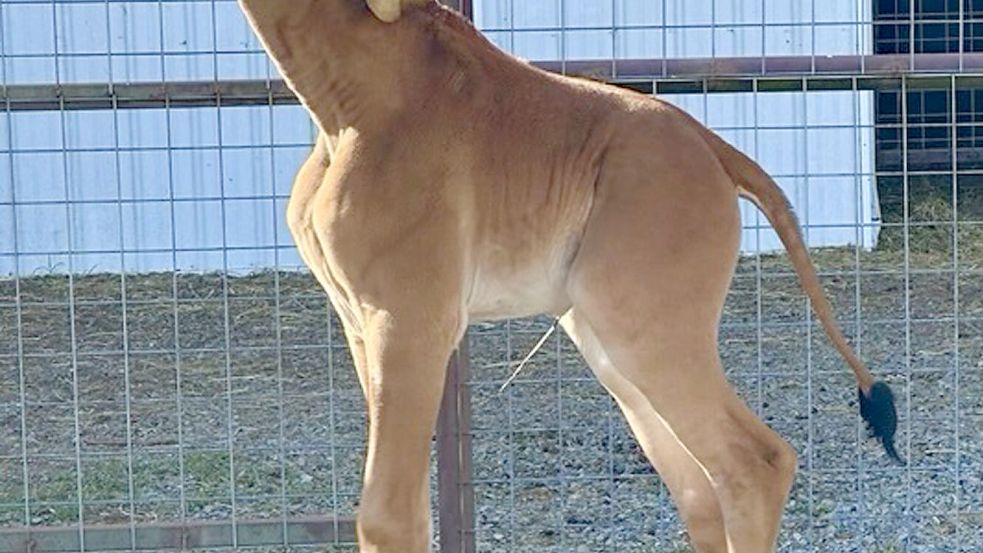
{"x":216,"y":393}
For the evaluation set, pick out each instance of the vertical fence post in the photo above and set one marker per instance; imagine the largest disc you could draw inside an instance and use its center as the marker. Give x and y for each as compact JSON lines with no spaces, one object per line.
{"x":456,"y":493}
{"x":454,"y":487}
{"x":463,"y":6}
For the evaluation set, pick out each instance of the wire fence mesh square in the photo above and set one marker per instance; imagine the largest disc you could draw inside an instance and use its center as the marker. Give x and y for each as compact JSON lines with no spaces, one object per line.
{"x":165,"y":358}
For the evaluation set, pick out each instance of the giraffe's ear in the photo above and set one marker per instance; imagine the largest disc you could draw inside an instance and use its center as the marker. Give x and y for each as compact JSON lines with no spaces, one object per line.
{"x":386,"y":10}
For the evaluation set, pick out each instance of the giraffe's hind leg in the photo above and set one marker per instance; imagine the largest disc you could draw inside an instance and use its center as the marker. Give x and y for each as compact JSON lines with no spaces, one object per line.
{"x":650,"y":280}
{"x":685,"y":478}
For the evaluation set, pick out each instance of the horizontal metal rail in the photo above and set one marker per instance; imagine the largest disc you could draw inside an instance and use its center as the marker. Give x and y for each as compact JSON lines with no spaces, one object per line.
{"x":179,"y":536}
{"x":770,"y":66}
{"x":691,"y":75}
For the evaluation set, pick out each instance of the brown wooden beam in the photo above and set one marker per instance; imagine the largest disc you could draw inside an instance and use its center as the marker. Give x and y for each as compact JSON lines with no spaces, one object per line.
{"x":454,"y":470}
{"x":463,"y":6}
{"x":180,"y":536}
{"x":454,"y":457}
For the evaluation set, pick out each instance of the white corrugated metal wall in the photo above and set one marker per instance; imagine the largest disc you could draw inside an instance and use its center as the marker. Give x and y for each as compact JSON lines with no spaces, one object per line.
{"x":819,"y":145}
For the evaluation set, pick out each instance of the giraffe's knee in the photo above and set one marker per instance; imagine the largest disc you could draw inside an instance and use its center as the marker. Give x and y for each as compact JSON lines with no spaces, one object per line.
{"x":754,"y":464}
{"x":700,"y":511}
{"x":384,"y":529}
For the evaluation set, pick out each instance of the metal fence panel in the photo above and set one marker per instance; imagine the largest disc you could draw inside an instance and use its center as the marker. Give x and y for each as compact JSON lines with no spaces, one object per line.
{"x":171,"y":377}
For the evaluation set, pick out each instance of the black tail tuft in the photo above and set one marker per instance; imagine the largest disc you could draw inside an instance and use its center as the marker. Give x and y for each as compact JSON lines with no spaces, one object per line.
{"x":878,"y":410}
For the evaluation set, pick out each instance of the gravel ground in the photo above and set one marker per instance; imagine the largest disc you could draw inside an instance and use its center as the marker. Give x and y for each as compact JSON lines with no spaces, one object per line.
{"x":276,"y":420}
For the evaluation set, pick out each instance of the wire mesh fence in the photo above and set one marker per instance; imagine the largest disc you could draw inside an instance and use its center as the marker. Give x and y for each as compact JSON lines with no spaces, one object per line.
{"x":168,"y":368}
